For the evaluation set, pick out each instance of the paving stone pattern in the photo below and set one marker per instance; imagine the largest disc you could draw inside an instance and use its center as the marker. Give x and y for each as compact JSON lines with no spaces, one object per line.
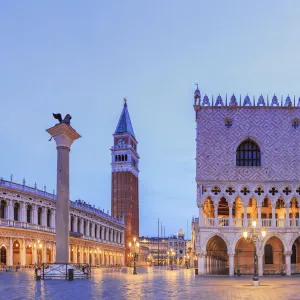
{"x":150,"y":283}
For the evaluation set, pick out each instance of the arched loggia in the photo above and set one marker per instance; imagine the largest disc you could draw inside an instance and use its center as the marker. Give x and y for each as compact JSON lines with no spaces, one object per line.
{"x":217,"y":257}
{"x":273,"y":259}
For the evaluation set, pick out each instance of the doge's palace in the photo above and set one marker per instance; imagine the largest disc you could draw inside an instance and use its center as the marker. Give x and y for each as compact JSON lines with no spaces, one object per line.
{"x":27,"y":229}
{"x":247,"y":174}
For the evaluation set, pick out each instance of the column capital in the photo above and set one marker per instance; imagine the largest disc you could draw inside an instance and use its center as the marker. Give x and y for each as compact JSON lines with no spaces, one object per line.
{"x":287,"y":253}
{"x":63,"y":135}
{"x":202,"y":254}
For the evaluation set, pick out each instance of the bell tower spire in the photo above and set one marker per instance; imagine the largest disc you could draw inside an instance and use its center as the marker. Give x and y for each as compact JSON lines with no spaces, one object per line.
{"x":125,"y":172}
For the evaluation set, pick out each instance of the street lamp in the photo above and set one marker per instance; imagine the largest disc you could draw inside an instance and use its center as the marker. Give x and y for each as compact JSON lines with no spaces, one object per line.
{"x":254,"y":237}
{"x":134,"y":246}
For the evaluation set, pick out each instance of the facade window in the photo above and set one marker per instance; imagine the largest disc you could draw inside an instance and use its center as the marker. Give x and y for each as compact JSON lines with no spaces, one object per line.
{"x":248,"y":154}
{"x":84,"y":228}
{"x":91,"y":231}
{"x":48,"y":217}
{"x":2,"y":209}
{"x":268,"y":255}
{"x":101,"y":232}
{"x":40,"y":216}
{"x":95,"y":234}
{"x":29,"y":209}
{"x":16,"y":211}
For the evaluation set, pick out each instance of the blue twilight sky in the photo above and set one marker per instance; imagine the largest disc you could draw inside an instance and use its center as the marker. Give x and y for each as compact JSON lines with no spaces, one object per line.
{"x":83,"y":57}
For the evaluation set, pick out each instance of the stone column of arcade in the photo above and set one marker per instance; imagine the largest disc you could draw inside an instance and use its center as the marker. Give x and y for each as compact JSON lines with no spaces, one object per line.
{"x":64,"y":135}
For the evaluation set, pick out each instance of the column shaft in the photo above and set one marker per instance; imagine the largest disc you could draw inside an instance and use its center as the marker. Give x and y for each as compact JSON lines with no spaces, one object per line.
{"x":231,"y":265}
{"x":62,"y":205}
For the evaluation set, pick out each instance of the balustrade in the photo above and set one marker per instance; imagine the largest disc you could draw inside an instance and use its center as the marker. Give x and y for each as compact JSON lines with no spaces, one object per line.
{"x":223,"y":222}
{"x":239,"y":222}
{"x":280,"y":222}
{"x":266,"y":222}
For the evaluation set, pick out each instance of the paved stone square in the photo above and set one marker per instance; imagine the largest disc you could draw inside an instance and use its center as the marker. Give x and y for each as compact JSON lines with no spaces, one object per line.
{"x":150,"y":283}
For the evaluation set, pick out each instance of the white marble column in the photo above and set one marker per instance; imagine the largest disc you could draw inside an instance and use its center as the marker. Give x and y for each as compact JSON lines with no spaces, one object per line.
{"x":23,"y":212}
{"x":34,"y":214}
{"x":64,"y":136}
{"x":231,"y":264}
{"x":10,"y":209}
{"x":288,"y":262}
{"x":287,"y":212}
{"x":81,"y":255}
{"x":44,"y":216}
{"x":273,"y":215}
{"x":216,"y":215}
{"x":23,"y":254}
{"x":53,"y":253}
{"x":75,"y":224}
{"x":10,"y":251}
{"x":260,"y":264}
{"x":34,"y":254}
{"x":87,"y":228}
{"x":230,"y":214}
{"x":259,"y":216}
{"x":245,"y":216}
{"x":52,"y":218}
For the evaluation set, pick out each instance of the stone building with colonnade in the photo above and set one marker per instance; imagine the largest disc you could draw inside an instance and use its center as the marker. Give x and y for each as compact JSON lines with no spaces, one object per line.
{"x":27,"y":229}
{"x":247,"y":169}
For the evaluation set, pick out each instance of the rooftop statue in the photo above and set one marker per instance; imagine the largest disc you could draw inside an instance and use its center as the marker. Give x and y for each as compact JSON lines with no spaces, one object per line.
{"x":66,"y":120}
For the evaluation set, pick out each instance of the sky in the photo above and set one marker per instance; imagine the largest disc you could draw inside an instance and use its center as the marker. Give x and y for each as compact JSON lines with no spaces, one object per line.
{"x":84,"y":57}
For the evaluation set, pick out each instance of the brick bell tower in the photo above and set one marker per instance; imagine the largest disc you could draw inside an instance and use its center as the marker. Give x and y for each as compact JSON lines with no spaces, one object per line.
{"x":125,"y":181}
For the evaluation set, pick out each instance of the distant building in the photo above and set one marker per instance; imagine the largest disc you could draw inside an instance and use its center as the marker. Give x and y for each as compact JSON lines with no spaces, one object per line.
{"x":177,"y":244}
{"x":158,"y":248}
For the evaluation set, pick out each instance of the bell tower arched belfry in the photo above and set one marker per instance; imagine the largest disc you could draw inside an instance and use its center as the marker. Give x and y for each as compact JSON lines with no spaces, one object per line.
{"x":125,"y":182}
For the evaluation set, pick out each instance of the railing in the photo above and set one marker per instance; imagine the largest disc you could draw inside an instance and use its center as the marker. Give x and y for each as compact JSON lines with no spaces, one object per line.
{"x":223,"y":222}
{"x":266,"y":222}
{"x":294,"y":222}
{"x":209,"y":221}
{"x":280,"y":222}
{"x":238,"y":222}
{"x":61,"y":271}
{"x":25,"y":225}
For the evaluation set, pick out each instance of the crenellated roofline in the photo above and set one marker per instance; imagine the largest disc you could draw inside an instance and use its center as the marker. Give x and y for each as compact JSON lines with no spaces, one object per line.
{"x":244,"y":101}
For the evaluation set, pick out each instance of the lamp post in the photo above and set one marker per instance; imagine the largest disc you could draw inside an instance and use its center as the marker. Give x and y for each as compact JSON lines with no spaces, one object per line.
{"x":134,"y":246}
{"x":254,"y":236}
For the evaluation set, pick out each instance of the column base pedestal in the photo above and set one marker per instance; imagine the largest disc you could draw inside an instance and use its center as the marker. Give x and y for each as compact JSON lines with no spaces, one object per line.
{"x":255,"y":283}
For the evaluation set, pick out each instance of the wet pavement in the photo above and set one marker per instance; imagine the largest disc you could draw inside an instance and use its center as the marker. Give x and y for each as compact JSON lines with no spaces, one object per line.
{"x":150,"y":283}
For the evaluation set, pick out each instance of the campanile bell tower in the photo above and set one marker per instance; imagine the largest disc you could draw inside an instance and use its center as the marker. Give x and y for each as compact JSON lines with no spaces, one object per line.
{"x":125,"y":171}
